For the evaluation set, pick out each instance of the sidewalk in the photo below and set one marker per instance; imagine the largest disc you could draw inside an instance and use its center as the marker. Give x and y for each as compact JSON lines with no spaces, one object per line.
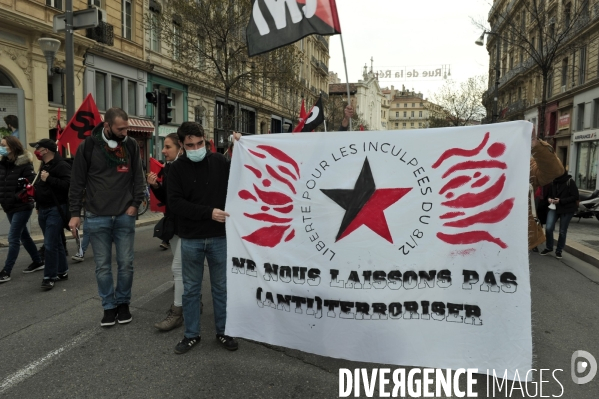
{"x":148,"y":218}
{"x":582,"y":240}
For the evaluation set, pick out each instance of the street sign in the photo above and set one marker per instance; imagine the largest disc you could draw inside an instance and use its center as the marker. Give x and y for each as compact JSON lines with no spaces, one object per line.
{"x":81,"y":20}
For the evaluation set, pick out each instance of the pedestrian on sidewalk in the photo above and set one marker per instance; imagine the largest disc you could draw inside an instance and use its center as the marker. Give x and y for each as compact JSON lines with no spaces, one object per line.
{"x":171,"y":151}
{"x":544,"y":167}
{"x":110,"y":175}
{"x":16,"y":163}
{"x":51,"y":202}
{"x":197,"y":190}
{"x":564,"y":197}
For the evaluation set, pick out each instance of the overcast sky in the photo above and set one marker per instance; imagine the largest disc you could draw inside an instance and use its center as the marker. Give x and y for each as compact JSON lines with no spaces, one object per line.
{"x":407,"y":35}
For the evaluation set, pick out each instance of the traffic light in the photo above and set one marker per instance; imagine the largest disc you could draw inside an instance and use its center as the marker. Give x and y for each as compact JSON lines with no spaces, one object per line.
{"x":164,"y":108}
{"x":151,"y":97}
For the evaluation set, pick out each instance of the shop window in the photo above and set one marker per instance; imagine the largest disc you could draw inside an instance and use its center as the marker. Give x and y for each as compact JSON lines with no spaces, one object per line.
{"x":100,"y":91}
{"x":580,"y":117}
{"x":131,"y":98}
{"x":247,"y":122}
{"x":586,"y":165}
{"x":117,"y":92}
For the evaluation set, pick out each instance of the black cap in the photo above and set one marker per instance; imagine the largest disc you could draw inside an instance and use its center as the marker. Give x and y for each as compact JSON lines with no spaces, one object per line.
{"x":45,"y":143}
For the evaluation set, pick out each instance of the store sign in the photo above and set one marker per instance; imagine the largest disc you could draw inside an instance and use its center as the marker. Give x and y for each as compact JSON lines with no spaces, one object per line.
{"x":586,"y":136}
{"x":563,"y":122}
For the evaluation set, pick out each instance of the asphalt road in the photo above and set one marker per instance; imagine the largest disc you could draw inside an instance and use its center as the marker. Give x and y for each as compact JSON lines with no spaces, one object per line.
{"x":51,"y":344}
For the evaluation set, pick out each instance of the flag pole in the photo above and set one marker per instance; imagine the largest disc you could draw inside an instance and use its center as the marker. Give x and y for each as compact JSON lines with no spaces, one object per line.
{"x":346,"y":76}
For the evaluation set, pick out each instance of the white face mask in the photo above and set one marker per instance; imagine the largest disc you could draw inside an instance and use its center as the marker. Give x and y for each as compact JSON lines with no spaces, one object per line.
{"x":178,"y":155}
{"x":196,"y":155}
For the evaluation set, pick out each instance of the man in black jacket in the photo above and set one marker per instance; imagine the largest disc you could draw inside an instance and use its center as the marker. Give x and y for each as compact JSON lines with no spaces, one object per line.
{"x":196,"y":193}
{"x":51,"y":199}
{"x":114,"y":184}
{"x":564,"y":198}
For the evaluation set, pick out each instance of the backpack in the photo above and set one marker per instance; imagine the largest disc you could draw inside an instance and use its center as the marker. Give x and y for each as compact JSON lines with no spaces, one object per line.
{"x":88,"y":148}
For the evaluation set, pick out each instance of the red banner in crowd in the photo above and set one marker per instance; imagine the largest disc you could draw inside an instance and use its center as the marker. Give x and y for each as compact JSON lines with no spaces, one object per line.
{"x":79,"y":127}
{"x":155,"y":167}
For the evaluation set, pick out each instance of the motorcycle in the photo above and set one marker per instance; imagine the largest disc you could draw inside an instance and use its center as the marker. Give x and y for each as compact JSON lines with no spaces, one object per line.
{"x":588,"y":206}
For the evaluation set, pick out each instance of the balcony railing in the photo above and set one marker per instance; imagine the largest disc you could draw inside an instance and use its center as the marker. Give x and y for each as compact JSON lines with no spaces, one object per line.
{"x":103,"y":33}
{"x":322,"y":41}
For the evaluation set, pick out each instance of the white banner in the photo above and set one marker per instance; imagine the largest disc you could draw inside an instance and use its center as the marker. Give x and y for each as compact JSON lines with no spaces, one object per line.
{"x":396,"y":247}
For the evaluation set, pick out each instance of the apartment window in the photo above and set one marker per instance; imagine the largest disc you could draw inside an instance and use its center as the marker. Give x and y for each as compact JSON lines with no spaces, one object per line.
{"x":413,"y":105}
{"x":564,"y":71}
{"x":202,"y":52}
{"x":54,"y":4}
{"x":405,"y":105}
{"x":117,"y":91}
{"x":412,"y":115}
{"x":397,"y":114}
{"x":582,"y":69}
{"x":397,"y":125}
{"x":419,"y":124}
{"x":549,"y":85}
{"x":176,"y":41}
{"x":247,"y":122}
{"x":127,"y":19}
{"x":580,"y":117}
{"x":586,"y":165}
{"x":420,"y":114}
{"x":405,"y":114}
{"x":404,"y":124}
{"x":101,"y":91}
{"x":154,"y":32}
{"x":568,"y":15}
{"x":412,"y":124}
{"x":131,"y":98}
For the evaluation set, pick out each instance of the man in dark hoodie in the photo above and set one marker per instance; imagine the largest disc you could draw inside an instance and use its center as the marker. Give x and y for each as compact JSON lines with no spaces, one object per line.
{"x":196,"y":193}
{"x":113,"y":183}
{"x":564,"y":196}
{"x":51,"y":199}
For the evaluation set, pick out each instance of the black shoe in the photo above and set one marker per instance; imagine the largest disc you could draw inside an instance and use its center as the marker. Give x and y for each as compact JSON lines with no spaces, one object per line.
{"x":228,"y":342}
{"x":34,"y":267}
{"x":546,"y":251}
{"x":109,"y":318}
{"x":124,"y":316}
{"x":165,"y":245}
{"x":4,"y":276}
{"x":62,"y":277}
{"x":558,"y":255}
{"x":186,"y":344}
{"x":48,"y":284}
{"x":535,"y":249}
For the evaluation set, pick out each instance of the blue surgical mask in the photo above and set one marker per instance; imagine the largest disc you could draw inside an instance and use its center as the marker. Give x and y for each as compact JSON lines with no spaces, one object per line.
{"x":3,"y":151}
{"x":196,"y":155}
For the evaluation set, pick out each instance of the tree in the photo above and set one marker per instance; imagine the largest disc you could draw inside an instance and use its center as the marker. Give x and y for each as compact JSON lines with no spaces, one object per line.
{"x":457,"y":104}
{"x":208,"y":48}
{"x":538,"y":34}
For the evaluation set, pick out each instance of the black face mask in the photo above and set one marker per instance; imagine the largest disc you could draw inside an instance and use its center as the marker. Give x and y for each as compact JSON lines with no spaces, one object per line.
{"x":114,"y":137}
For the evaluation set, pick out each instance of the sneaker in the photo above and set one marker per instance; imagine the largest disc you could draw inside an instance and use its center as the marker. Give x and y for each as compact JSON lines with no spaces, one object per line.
{"x":546,"y":251}
{"x":174,"y":319}
{"x":124,"y":316}
{"x":34,"y":267}
{"x":109,"y":318}
{"x":4,"y":277}
{"x":78,"y":257}
{"x":186,"y":344}
{"x":228,"y":342}
{"x":62,"y":277}
{"x":558,"y":255}
{"x":165,"y":245}
{"x":48,"y":284}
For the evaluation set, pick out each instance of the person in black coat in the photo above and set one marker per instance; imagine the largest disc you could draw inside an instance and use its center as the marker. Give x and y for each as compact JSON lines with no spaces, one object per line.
{"x":563,"y":198}
{"x":52,"y":198}
{"x":16,"y":163}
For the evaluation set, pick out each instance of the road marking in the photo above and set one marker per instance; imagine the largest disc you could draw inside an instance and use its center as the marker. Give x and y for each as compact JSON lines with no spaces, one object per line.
{"x":38,"y":365}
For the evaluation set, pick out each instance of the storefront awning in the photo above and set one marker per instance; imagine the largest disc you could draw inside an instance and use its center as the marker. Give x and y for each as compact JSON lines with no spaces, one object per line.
{"x":139,"y":125}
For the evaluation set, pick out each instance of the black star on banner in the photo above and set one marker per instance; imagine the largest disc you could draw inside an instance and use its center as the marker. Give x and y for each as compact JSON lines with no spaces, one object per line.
{"x":365,"y":204}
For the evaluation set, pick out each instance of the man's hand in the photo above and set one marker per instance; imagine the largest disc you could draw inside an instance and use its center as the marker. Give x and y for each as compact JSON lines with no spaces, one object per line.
{"x":44,"y":175}
{"x":348,"y":113}
{"x":131,"y":211}
{"x":74,"y":223}
{"x":219,"y":215}
{"x":237,"y":136}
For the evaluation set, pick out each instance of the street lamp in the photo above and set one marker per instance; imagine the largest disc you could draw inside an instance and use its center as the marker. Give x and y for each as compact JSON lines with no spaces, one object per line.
{"x":49,"y":47}
{"x":480,"y":42}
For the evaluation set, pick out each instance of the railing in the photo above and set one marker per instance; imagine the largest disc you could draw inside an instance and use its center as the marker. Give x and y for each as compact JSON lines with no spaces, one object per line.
{"x":516,"y":107}
{"x":322,"y":41}
{"x":103,"y":33}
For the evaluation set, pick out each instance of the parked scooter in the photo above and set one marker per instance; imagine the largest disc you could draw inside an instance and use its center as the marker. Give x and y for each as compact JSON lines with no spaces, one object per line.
{"x":588,"y":206}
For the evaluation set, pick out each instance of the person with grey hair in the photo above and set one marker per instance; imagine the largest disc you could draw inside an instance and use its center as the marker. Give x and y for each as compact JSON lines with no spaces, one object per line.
{"x":113,"y":184}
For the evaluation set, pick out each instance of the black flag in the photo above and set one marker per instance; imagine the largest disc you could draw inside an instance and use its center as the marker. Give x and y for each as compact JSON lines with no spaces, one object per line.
{"x":315,"y":117}
{"x":275,"y":24}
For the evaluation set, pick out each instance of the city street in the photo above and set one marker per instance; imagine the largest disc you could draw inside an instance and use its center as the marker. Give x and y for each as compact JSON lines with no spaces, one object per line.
{"x":52,"y":345}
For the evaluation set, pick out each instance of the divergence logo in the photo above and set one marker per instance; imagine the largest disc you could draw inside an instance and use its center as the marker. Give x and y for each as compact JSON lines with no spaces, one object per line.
{"x":579,"y":366}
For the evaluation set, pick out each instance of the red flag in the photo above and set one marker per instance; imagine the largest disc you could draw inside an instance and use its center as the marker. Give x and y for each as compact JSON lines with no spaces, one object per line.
{"x":155,"y":167}
{"x":269,"y":28}
{"x":302,"y":118}
{"x":80,"y":126}
{"x":362,"y":128}
{"x":212,"y":146}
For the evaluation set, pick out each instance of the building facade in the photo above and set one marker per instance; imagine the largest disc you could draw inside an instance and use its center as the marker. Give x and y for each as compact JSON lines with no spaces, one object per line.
{"x":409,"y":109}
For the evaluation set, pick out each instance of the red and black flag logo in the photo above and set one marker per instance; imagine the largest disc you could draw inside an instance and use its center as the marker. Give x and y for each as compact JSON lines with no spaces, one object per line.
{"x":277,"y":23}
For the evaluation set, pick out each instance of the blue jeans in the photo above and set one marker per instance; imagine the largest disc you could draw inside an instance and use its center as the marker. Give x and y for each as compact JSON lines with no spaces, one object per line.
{"x":52,"y":224}
{"x":193,"y":253}
{"x":564,"y":222}
{"x":103,"y":231}
{"x":18,"y":234}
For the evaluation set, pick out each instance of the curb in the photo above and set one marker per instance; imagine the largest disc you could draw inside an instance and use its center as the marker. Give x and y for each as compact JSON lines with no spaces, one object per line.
{"x":583,"y":252}
{"x":39,"y":239}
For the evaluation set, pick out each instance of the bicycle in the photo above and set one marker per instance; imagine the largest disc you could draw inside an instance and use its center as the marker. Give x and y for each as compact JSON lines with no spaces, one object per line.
{"x":145,"y":203}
